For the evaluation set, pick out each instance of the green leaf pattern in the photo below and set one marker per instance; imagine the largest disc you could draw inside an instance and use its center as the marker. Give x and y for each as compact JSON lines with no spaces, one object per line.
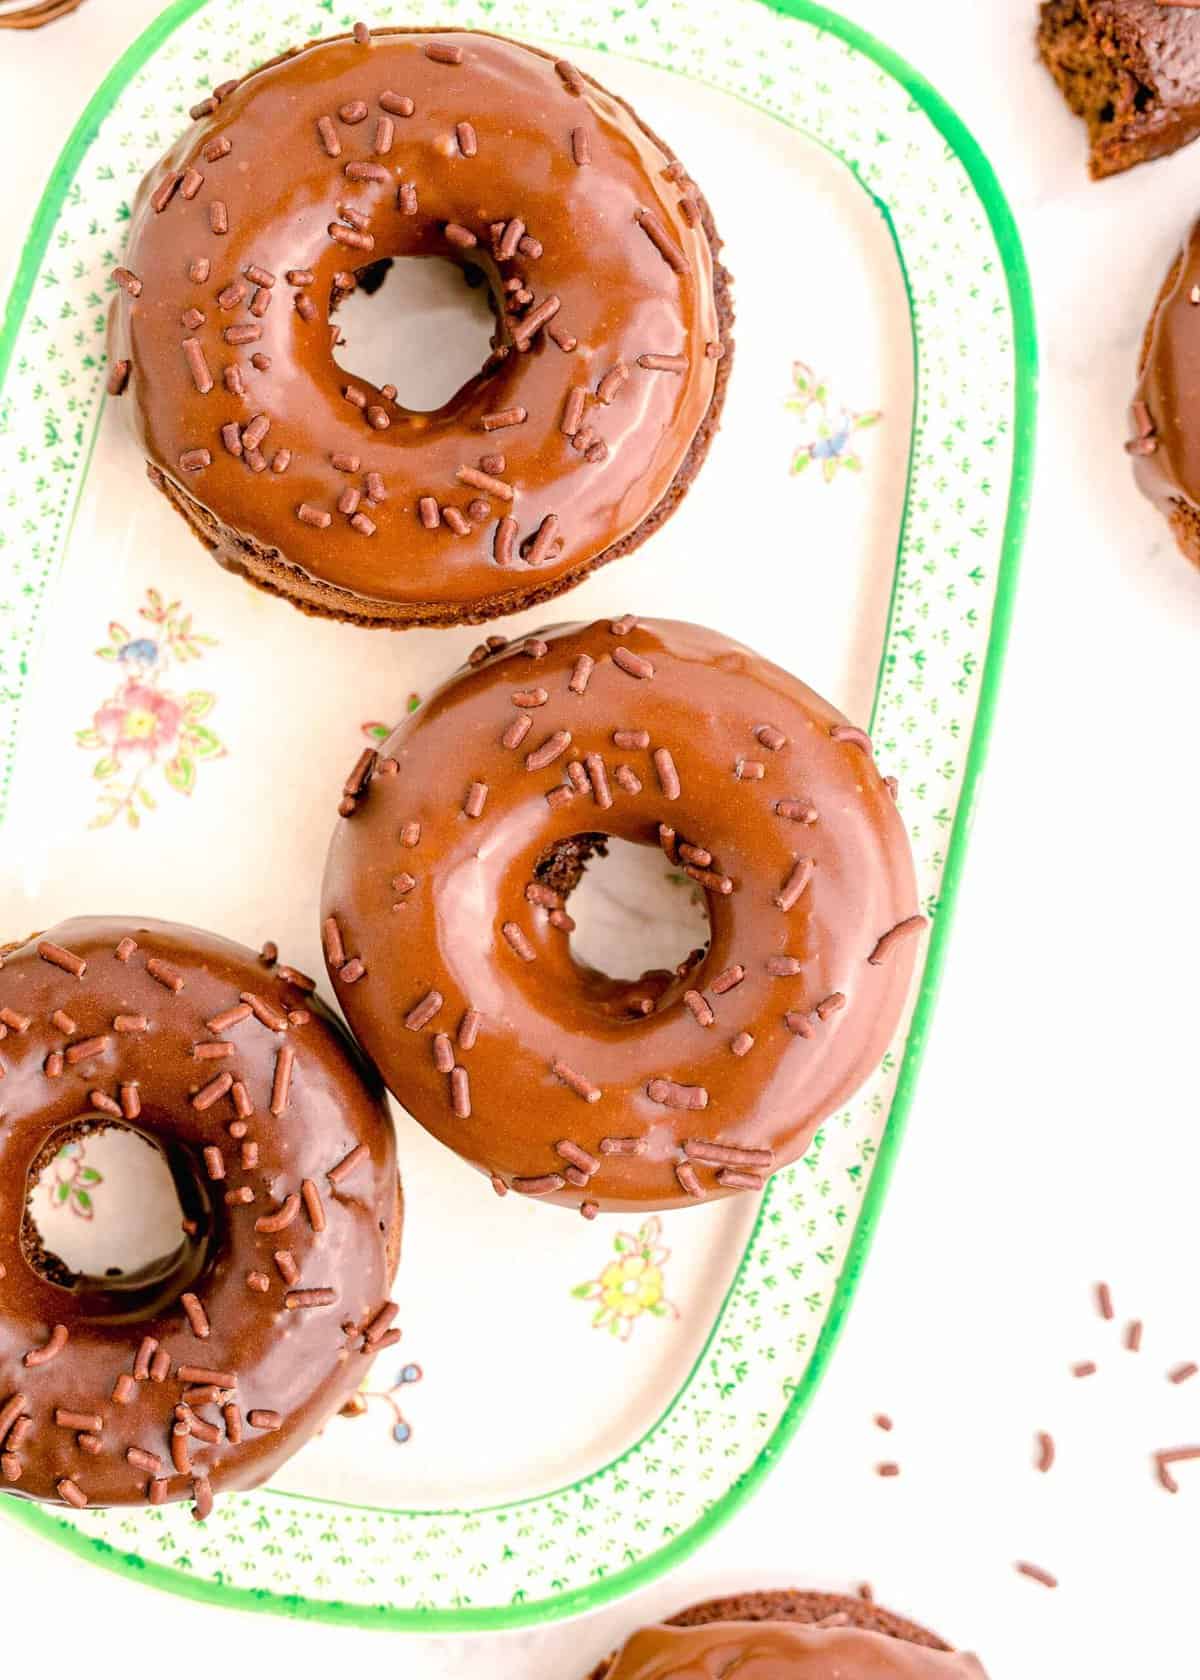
{"x":74,"y":1182}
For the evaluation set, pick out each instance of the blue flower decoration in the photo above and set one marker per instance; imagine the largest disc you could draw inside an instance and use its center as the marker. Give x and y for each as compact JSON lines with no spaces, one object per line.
{"x":142,"y":652}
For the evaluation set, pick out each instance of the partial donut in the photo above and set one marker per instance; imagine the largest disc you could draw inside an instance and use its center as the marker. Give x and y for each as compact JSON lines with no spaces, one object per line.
{"x":209,"y":1370}
{"x":576,"y":439}
{"x":447,"y":932}
{"x":800,"y":1635}
{"x":1165,"y":416}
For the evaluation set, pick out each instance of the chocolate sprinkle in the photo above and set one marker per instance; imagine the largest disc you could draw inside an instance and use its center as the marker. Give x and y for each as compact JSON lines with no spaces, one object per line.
{"x":313,"y":1205}
{"x":658,"y":236}
{"x":422,"y":1013}
{"x":196,"y":1316}
{"x":501,"y":418}
{"x":633,"y":665}
{"x":281,"y":1218}
{"x":699,"y":1007}
{"x":581,"y":1086}
{"x":164,"y":193}
{"x":571,"y":78}
{"x":197,"y":365}
{"x":525,"y":330}
{"x":545,"y":1184}
{"x":484,"y":481}
{"x":212,"y":1092}
{"x":663,"y":364}
{"x":894,"y":936}
{"x":611,"y":383}
{"x":796,"y":810}
{"x":731,"y":1178}
{"x":128,"y":281}
{"x":519,"y":943}
{"x":551,"y":748}
{"x":543,"y":541}
{"x":301,"y":1300}
{"x":516,"y":732}
{"x":1173,"y":1455}
{"x":855,"y":737}
{"x":668,"y":776}
{"x":688,"y":1182}
{"x":670,"y":1095}
{"x":788,"y":895}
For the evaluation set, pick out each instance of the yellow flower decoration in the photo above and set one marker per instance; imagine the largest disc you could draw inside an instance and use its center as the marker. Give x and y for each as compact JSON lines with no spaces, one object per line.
{"x":632,"y":1285}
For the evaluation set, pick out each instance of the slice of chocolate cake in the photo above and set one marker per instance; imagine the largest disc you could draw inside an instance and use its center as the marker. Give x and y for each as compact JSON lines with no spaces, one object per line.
{"x":1131,"y":70}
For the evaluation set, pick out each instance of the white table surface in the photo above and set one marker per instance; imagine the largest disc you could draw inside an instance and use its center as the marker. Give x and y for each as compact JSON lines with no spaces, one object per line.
{"x":1054,"y":1138}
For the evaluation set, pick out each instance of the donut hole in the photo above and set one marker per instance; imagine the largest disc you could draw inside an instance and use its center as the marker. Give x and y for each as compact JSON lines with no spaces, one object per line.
{"x":640,"y":923}
{"x":420,"y":323}
{"x":112,"y":1214}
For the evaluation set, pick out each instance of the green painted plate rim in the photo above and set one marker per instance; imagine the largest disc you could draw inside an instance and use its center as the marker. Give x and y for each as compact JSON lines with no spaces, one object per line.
{"x":983,"y":178}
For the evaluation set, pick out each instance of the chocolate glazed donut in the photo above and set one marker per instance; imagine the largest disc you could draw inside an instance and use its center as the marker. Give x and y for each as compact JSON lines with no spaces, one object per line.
{"x":584,"y":427}
{"x":448,"y":940}
{"x":788,"y":1636}
{"x":209,"y":1369}
{"x":1165,"y":445}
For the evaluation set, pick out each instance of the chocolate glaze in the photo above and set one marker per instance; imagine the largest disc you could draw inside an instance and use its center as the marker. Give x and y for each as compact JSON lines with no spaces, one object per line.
{"x":301,"y":1364}
{"x":781,"y":1651}
{"x":1165,"y":417}
{"x":599,"y":230}
{"x":448,"y":913}
{"x":805,"y":1608}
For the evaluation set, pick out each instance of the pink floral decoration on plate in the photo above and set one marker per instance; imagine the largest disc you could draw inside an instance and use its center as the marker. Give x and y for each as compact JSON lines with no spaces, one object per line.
{"x":147,"y":730}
